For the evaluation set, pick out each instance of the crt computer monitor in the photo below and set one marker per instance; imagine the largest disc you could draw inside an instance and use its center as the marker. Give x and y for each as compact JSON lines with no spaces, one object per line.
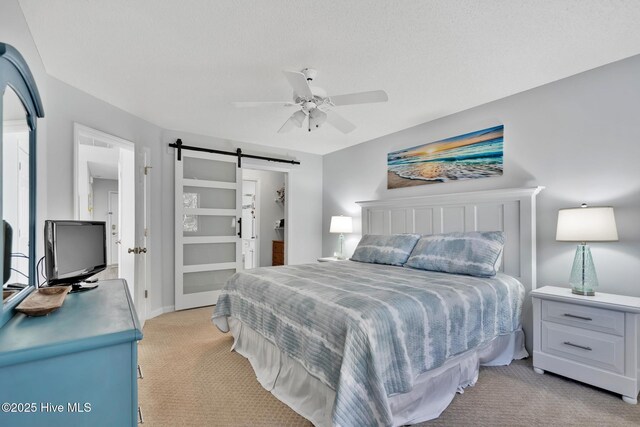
{"x":74,"y":250}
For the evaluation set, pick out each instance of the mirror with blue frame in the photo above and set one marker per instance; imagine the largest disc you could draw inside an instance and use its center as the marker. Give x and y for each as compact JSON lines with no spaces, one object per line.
{"x":20,"y":107}
{"x":15,"y":196}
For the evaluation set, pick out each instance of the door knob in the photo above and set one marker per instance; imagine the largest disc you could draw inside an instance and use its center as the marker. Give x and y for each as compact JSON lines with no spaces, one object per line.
{"x":137,"y":250}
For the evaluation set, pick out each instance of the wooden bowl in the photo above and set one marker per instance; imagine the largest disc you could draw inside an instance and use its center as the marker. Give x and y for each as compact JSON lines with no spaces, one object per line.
{"x":43,"y":301}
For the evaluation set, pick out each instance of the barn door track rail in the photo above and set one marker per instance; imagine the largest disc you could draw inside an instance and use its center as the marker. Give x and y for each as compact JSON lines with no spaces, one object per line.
{"x":238,"y":153}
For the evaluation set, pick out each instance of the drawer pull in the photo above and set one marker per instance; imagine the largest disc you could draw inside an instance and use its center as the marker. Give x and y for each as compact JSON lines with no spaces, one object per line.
{"x":140,"y":376}
{"x":578,"y":317}
{"x":584,"y":347}
{"x":140,"y":417}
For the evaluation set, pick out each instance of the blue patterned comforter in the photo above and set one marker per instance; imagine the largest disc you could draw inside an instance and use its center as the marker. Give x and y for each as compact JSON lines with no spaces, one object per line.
{"x":368,"y":330}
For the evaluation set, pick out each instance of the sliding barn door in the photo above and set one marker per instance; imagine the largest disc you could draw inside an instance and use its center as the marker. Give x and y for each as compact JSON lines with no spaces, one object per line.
{"x":208,"y":205}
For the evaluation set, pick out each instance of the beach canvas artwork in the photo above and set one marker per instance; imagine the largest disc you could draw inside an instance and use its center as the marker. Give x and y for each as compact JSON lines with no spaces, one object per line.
{"x":472,"y":155}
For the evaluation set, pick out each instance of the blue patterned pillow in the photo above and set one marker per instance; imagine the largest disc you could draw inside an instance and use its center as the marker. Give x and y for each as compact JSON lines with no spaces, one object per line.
{"x":474,"y":253}
{"x":391,"y":249}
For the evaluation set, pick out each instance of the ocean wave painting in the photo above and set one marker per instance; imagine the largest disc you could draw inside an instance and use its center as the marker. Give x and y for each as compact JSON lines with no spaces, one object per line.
{"x":469,"y":156}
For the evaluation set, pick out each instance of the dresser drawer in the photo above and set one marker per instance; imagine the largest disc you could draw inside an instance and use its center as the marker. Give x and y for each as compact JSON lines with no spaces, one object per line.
{"x":278,"y":259}
{"x":277,"y":254}
{"x":580,"y":316}
{"x":592,"y":348}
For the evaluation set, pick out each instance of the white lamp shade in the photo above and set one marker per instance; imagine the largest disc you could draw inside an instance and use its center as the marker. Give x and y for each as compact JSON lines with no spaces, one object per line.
{"x":597,"y":224}
{"x":341,"y":224}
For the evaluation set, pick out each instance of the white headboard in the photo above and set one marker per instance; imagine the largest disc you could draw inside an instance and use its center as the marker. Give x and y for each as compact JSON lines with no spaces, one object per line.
{"x":511,"y":210}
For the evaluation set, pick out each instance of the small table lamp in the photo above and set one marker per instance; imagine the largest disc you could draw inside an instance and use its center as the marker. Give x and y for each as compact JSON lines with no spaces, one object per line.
{"x":584,"y":224}
{"x":341,"y":224}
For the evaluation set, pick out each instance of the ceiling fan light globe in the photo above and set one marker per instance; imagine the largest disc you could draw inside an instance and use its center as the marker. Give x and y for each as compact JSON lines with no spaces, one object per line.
{"x":318,"y":115}
{"x":298,"y":117}
{"x":316,"y":118}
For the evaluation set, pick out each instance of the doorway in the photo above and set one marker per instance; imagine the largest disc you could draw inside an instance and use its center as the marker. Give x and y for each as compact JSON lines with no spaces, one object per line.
{"x":264,"y":219}
{"x":105,"y":190}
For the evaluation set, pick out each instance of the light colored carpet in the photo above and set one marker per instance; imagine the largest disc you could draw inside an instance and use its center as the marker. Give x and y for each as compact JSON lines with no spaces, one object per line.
{"x":193,"y":379}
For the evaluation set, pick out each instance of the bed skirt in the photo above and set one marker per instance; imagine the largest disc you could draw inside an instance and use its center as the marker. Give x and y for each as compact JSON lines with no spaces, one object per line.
{"x":434,"y":390}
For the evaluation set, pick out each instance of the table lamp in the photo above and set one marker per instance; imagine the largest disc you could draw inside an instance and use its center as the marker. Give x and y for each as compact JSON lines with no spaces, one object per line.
{"x":341,"y":224}
{"x":585,"y":224}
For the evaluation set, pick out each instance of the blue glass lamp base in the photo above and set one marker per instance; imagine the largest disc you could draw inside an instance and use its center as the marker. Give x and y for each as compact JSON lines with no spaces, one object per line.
{"x":340,"y":255}
{"x":583,"y":280}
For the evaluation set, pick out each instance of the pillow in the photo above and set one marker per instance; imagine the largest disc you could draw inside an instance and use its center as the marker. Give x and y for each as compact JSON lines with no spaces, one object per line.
{"x":391,"y":249}
{"x":474,"y":253}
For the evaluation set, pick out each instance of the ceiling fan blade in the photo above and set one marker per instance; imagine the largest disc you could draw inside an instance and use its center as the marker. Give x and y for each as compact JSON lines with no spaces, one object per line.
{"x":263,"y":104}
{"x":339,"y":122}
{"x":360,"y":98}
{"x":295,"y":120}
{"x":298,"y":82}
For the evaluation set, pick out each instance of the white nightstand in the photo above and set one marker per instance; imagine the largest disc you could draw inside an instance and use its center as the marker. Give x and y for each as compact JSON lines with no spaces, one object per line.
{"x":593,"y":339}
{"x":330,"y":259}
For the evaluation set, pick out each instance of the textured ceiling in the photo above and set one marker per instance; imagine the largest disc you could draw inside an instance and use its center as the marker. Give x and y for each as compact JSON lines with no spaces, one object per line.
{"x":179,"y":64}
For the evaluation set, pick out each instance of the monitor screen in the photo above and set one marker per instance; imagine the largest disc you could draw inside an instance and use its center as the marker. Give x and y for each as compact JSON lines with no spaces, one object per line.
{"x":74,"y":250}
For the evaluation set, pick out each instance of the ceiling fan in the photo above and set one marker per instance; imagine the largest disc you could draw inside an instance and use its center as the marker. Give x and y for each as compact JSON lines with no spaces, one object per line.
{"x":315,"y":105}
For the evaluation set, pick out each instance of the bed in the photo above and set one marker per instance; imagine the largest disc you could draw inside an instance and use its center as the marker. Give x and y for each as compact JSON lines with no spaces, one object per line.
{"x":357,"y":343}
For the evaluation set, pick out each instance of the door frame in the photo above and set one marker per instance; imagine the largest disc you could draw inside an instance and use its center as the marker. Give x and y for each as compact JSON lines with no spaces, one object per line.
{"x":260,"y":165}
{"x":82,"y":131}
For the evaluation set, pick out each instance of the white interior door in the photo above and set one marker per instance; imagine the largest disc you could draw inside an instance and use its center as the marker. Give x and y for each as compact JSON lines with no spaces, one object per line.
{"x":208,"y":203}
{"x":114,"y":230}
{"x":127,"y":218}
{"x":143,"y":259}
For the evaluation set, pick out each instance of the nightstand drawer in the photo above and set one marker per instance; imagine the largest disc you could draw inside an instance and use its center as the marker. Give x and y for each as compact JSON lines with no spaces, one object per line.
{"x":580,"y":316}
{"x":592,"y":348}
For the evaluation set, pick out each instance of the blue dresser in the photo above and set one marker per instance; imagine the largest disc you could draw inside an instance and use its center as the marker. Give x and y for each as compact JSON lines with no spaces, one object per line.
{"x":75,"y":367}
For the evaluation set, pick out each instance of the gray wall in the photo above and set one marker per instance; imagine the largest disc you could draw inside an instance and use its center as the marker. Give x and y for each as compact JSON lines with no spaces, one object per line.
{"x":579,"y":137}
{"x":269,"y":211}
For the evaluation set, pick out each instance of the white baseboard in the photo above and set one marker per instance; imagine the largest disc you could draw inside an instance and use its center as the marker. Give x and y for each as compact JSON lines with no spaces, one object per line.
{"x":157,"y":312}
